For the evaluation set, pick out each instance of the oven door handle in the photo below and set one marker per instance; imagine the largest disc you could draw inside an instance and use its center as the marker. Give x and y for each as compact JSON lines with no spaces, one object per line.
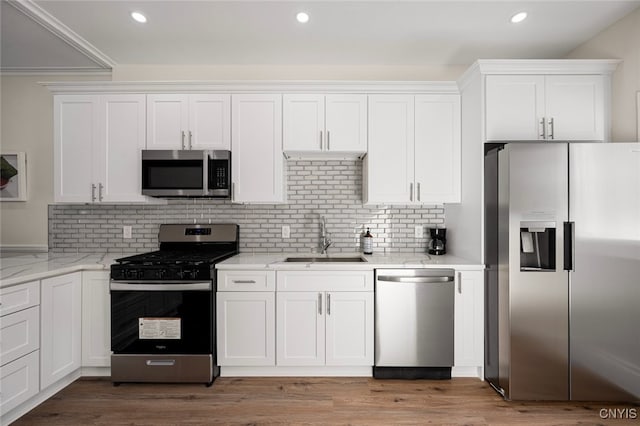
{"x":161,"y":286}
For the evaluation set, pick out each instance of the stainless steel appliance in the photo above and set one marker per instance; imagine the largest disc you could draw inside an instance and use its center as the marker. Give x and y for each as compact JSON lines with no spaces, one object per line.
{"x":163,"y":306}
{"x":563,"y":260}
{"x":193,"y":173}
{"x":414,"y":323}
{"x":438,"y":241}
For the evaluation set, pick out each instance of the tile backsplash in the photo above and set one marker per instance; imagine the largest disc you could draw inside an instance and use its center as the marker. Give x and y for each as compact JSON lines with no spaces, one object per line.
{"x":329,"y":188}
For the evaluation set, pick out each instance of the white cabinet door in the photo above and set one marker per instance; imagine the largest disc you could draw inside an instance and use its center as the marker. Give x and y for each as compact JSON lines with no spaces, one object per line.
{"x":245,"y":324}
{"x":389,"y":166}
{"x":96,"y":319}
{"x":576,"y":105}
{"x":349,"y":328}
{"x":303,"y":123}
{"x":60,"y":326}
{"x":346,"y":123}
{"x":515,"y":107}
{"x":257,"y":160}
{"x":76,"y":133}
{"x":300,"y":329}
{"x":19,"y":381}
{"x":117,"y":160}
{"x":437,"y":149}
{"x":469,"y":319}
{"x":209,"y":122}
{"x":167,"y":121}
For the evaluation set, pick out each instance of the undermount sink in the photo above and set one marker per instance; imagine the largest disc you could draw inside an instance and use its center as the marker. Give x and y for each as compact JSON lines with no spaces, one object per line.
{"x":325,"y":259}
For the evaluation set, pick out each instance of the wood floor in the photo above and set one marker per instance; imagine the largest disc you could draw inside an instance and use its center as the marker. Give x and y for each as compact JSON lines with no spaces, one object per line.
{"x":251,"y":401}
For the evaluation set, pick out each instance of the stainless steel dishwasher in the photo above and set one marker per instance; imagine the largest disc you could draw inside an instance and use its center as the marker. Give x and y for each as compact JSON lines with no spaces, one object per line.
{"x":414,"y":323}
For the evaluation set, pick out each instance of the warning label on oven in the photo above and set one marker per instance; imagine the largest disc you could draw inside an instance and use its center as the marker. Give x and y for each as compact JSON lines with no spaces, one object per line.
{"x":159,"y":328}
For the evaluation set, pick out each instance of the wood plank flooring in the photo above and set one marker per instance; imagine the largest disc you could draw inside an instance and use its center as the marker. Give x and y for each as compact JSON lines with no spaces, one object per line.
{"x":309,"y":401}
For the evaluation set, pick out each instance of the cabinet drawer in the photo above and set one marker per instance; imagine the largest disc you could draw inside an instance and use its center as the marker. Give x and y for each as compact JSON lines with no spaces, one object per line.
{"x":246,"y":280}
{"x":325,"y":280}
{"x":19,"y":297}
{"x":19,"y":334}
{"x":19,"y":381}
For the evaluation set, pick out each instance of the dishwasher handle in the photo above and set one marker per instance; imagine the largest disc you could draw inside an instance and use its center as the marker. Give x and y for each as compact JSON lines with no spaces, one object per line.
{"x":414,"y":279}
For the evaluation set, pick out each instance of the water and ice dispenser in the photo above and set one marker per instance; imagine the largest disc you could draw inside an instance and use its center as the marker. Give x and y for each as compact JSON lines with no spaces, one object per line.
{"x":537,"y":246}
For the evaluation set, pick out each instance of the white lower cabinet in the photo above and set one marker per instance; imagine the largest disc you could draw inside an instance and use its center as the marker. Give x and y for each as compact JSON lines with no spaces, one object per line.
{"x":245,"y":328}
{"x":317,"y":324}
{"x":96,"y":319}
{"x":469,"y":319}
{"x":245,"y":318}
{"x":19,"y":381}
{"x":19,"y":344}
{"x":60,"y":325}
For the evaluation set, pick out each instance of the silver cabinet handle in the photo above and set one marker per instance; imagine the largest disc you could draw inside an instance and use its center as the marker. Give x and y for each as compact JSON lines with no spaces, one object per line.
{"x":161,"y":362}
{"x":328,"y":303}
{"x":551,"y":130}
{"x":459,"y":282}
{"x":543,"y":129}
{"x":328,"y":140}
{"x":182,"y":139}
{"x":411,"y":192}
{"x":319,"y":303}
{"x":93,"y":192}
{"x":244,"y":281}
{"x":190,"y":137}
{"x":100,"y":187}
{"x":320,"y":140}
{"x":418,"y":185}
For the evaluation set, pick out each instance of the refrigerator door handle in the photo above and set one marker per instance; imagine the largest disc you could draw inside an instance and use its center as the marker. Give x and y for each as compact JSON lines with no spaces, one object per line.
{"x":569,"y":245}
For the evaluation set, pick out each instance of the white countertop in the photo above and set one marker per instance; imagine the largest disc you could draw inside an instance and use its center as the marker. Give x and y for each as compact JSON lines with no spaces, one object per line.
{"x":16,"y":268}
{"x":396,"y":260}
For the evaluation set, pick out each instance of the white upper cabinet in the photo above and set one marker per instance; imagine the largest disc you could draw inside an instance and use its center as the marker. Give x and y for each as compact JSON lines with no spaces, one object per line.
{"x":198,"y":121}
{"x":97,"y":148}
{"x":437,"y":149}
{"x":539,"y":107}
{"x":414,"y":149}
{"x":257,"y":160}
{"x":314,"y":124}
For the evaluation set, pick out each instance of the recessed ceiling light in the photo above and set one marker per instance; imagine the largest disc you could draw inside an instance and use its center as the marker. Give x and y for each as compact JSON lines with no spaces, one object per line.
{"x":518,"y":17}
{"x":302,"y":17}
{"x":139,"y":17}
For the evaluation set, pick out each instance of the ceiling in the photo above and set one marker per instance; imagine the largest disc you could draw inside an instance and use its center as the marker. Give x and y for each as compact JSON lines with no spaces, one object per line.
{"x":93,"y":35}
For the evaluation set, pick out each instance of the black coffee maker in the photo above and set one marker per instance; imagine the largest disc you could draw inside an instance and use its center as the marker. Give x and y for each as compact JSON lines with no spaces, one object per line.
{"x":438,"y":243}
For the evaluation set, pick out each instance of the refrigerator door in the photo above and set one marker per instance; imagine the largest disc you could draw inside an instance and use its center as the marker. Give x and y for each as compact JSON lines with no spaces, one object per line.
{"x":533,"y":286}
{"x":605,"y":283}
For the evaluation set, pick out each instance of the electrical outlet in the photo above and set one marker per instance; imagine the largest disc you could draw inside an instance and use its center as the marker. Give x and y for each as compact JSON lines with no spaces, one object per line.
{"x":286,"y":231}
{"x":126,"y":231}
{"x":419,"y":231}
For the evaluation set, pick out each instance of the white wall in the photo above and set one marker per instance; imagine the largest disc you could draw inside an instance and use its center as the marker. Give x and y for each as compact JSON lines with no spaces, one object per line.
{"x":619,"y":41}
{"x":27,"y":126}
{"x":286,"y":72}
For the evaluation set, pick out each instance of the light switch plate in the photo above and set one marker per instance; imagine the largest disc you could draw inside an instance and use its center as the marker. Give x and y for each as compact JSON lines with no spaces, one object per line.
{"x":286,"y":231}
{"x":419,"y":231}
{"x":126,"y":231}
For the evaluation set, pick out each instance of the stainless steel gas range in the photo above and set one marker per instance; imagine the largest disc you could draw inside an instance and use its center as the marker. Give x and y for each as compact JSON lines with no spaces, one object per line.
{"x":163,"y":306}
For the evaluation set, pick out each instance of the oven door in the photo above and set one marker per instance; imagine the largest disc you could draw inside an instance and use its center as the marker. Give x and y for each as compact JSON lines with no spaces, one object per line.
{"x":162,"y":317}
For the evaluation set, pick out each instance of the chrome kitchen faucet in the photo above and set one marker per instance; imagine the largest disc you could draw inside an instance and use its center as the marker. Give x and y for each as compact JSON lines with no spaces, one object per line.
{"x":325,"y":241}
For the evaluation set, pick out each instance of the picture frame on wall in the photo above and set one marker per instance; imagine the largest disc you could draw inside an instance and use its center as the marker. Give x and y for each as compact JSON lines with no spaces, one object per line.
{"x":13,"y":176}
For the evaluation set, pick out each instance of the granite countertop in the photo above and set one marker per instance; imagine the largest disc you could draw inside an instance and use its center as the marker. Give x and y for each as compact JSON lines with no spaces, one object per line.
{"x":16,"y":268}
{"x":396,"y":260}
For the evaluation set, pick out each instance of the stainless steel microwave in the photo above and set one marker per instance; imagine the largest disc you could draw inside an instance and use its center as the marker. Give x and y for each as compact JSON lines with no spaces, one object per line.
{"x":192,"y":173}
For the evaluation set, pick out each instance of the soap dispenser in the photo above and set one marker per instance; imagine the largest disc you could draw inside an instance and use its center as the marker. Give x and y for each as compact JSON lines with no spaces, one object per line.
{"x":367,"y":243}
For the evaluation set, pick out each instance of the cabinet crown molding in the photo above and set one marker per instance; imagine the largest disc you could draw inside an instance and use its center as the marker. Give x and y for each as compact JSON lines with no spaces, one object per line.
{"x":538,"y":66}
{"x":250,"y":86}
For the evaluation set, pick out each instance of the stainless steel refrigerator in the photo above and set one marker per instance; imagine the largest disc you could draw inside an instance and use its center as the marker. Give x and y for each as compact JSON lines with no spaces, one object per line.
{"x":562,"y":235}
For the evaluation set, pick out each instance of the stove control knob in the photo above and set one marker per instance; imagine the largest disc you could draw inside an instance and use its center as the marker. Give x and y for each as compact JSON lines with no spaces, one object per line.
{"x":161,"y":273}
{"x":194,"y":275}
{"x":132,"y":274}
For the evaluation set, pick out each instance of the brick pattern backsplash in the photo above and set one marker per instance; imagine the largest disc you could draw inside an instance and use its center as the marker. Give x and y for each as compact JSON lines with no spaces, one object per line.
{"x":329,"y":188}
